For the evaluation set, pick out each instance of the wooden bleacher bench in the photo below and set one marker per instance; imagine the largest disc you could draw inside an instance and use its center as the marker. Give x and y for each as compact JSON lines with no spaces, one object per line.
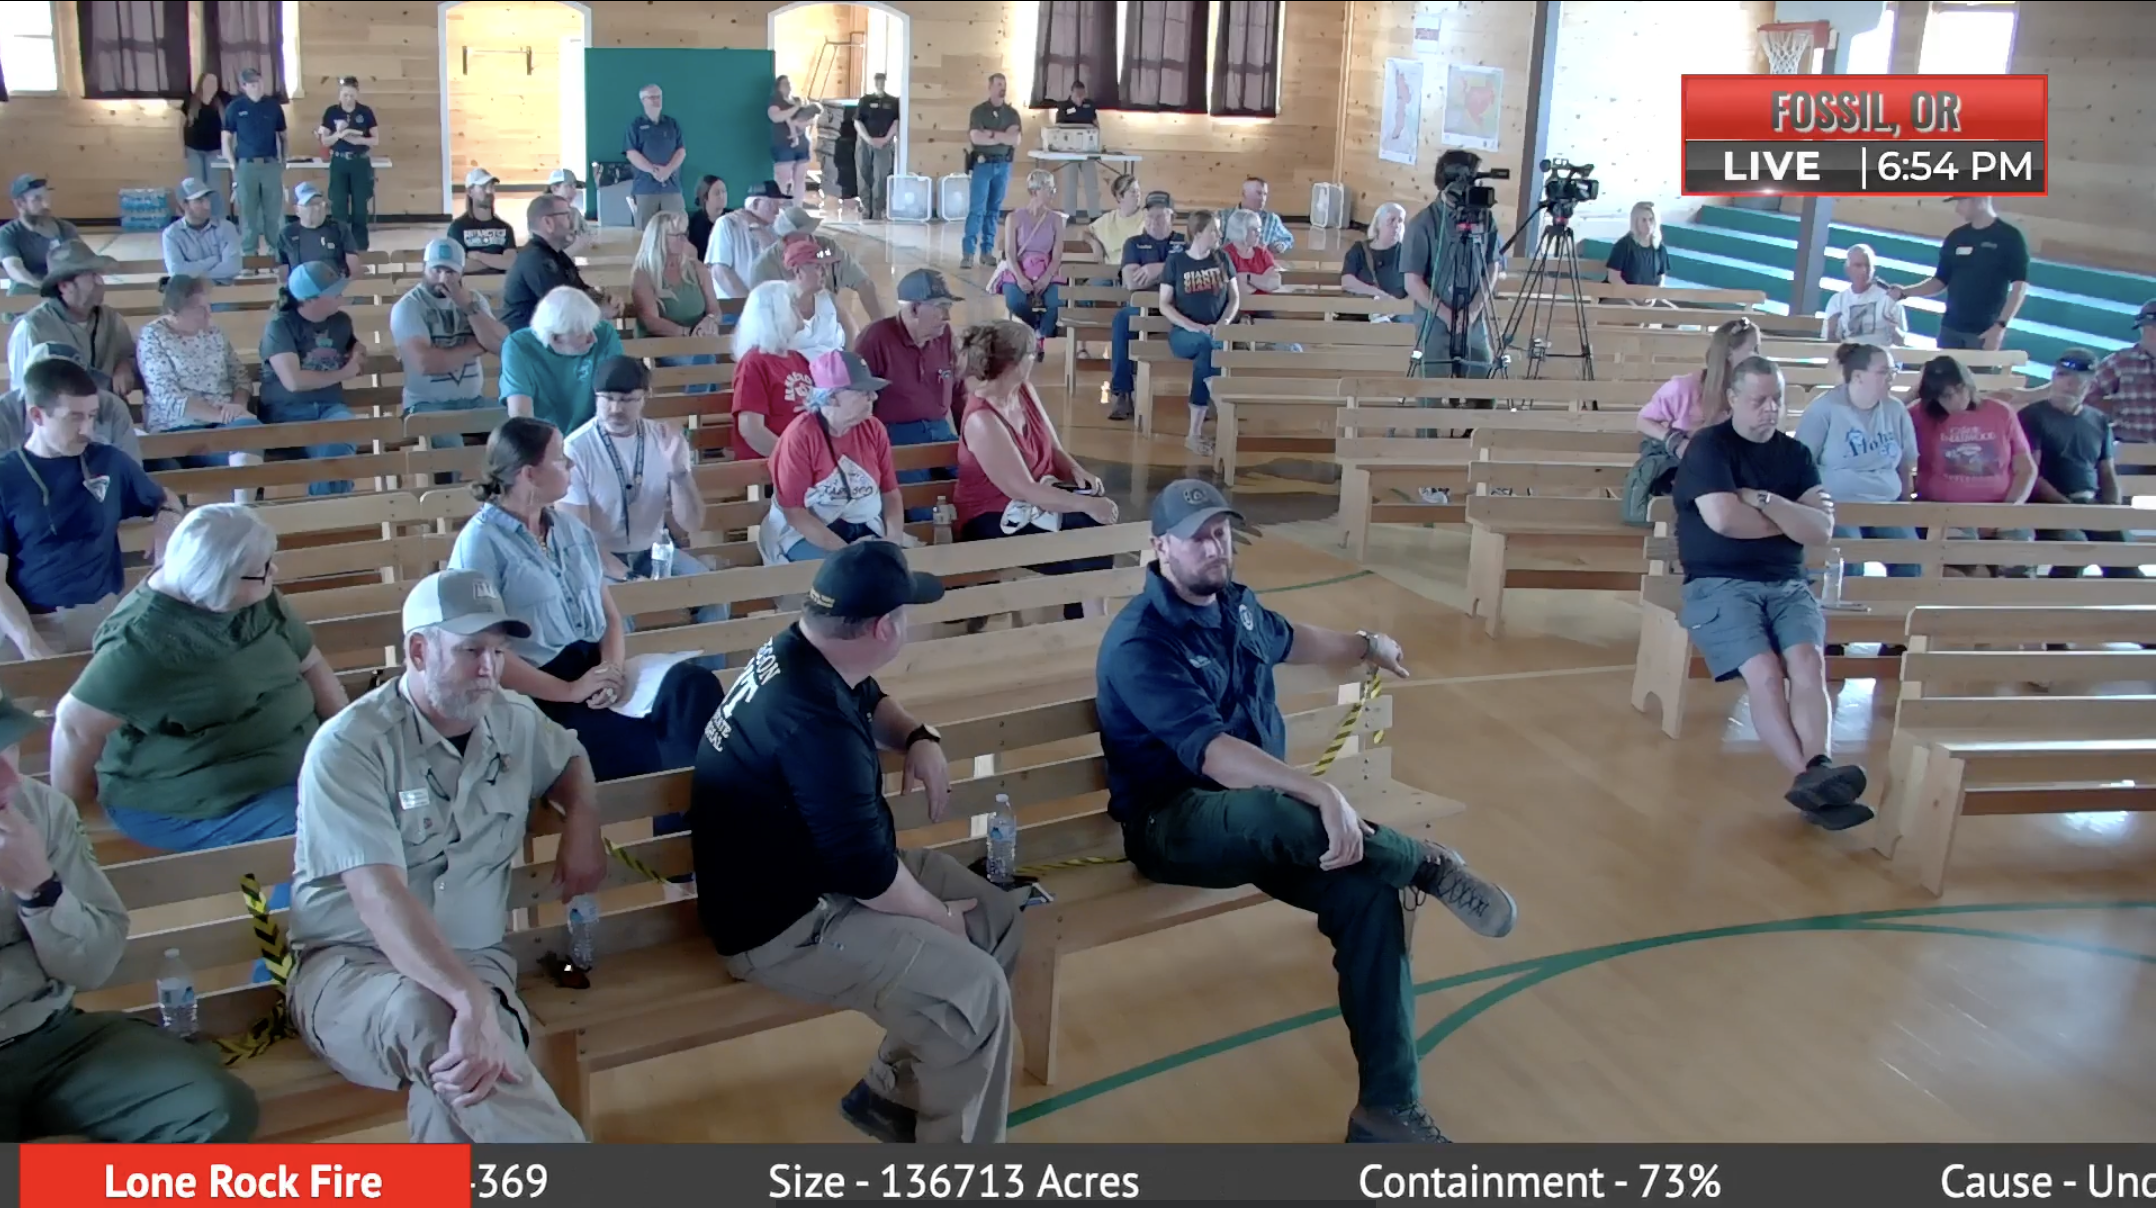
{"x":1666,"y":664}
{"x":1988,"y":675}
{"x":1549,"y":496}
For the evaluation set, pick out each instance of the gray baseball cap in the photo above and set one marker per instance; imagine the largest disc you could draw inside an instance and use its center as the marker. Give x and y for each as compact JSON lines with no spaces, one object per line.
{"x":925,"y":285}
{"x":191,"y":188}
{"x":464,"y":602}
{"x":446,"y":253}
{"x":1183,"y":506}
{"x":793,"y":220}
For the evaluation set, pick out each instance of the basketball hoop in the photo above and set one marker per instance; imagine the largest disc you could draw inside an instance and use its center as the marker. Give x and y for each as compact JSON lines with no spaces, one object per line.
{"x":1789,"y":44}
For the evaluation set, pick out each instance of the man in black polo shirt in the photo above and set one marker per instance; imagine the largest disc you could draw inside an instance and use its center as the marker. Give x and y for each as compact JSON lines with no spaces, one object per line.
{"x":2075,"y":455}
{"x":1077,"y":111}
{"x":1197,"y":775}
{"x":1984,"y":272}
{"x":802,"y":887}
{"x":544,"y":265}
{"x":875,"y":149}
{"x":1749,"y":500}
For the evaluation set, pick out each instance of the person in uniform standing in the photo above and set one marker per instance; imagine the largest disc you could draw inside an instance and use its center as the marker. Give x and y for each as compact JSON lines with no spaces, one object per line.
{"x":413,"y":804}
{"x":875,"y":150}
{"x":255,"y":147}
{"x":349,"y":133}
{"x":1197,"y":775}
{"x":803,"y":887}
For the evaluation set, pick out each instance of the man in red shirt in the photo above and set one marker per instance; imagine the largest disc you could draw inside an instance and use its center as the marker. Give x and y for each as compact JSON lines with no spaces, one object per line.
{"x":912,"y":351}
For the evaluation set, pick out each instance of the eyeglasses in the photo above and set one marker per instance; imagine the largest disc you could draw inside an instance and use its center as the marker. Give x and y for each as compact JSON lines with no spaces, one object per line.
{"x":495,"y":767}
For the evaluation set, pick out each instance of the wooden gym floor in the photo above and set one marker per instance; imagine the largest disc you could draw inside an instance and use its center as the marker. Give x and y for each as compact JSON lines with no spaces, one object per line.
{"x":1692,"y":963}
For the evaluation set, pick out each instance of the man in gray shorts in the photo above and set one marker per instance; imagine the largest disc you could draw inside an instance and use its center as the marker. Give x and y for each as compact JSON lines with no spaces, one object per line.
{"x":1748,"y":501}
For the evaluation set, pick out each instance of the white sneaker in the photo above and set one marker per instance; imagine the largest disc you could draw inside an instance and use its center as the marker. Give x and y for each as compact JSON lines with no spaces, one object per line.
{"x":1436,"y":495}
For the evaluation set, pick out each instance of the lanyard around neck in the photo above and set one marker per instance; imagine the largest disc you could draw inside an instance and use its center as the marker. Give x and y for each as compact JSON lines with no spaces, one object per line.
{"x":629,"y":486}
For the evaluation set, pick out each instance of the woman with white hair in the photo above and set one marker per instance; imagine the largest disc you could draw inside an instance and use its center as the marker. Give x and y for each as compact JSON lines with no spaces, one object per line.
{"x":547,"y":368}
{"x":545,"y":565}
{"x":824,"y":327}
{"x":203,"y":689}
{"x":1033,"y":258}
{"x":771,"y":377}
{"x":1257,"y":270}
{"x":673,"y":295}
{"x":832,"y":479}
{"x":1371,"y":268}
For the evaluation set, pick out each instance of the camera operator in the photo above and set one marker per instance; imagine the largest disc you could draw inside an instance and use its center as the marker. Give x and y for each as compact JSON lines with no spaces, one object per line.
{"x":1450,"y":266}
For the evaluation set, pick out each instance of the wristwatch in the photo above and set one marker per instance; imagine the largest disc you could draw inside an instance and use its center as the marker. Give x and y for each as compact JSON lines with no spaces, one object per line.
{"x":46,"y":895}
{"x":1369,"y":644}
{"x":924,"y":731}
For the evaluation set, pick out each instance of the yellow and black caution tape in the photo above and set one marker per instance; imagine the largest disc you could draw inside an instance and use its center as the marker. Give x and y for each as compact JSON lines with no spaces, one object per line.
{"x":635,"y":865}
{"x":1370,"y":689}
{"x":269,"y":937}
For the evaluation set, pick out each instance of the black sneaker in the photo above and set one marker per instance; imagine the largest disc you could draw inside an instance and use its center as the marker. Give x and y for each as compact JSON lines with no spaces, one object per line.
{"x":1393,"y":1126}
{"x":1476,"y":900}
{"x":1824,"y":785}
{"x":1839,"y":817}
{"x":877,"y":1117}
{"x":1124,"y":407}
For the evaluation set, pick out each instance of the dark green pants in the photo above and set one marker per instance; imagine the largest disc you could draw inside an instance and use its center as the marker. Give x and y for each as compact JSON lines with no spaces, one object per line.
{"x":1260,"y":837}
{"x":351,"y":195}
{"x":116,"y":1079}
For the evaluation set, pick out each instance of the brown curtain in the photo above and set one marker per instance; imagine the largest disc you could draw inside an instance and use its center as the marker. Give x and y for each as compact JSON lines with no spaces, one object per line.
{"x":1076,"y":42}
{"x":242,"y":34}
{"x":133,"y":49}
{"x":1164,"y":56}
{"x":1246,"y":59}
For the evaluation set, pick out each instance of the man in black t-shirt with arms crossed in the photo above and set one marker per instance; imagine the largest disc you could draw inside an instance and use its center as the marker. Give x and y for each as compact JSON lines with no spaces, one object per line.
{"x":802,"y":887}
{"x":1748,"y":501}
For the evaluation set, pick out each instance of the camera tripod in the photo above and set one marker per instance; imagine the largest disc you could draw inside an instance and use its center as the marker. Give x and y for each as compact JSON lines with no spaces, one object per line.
{"x":1552,"y":280}
{"x":1468,"y":278}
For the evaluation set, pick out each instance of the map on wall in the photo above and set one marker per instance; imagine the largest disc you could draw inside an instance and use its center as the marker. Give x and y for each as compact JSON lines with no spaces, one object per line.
{"x":1400,"y":111}
{"x":1472,"y":106}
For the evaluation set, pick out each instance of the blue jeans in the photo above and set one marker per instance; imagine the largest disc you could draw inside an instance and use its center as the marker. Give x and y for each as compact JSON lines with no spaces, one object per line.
{"x":921,"y":432}
{"x":199,"y":461}
{"x":984,"y":206}
{"x":1042,"y":318}
{"x":1122,"y":371}
{"x":302,"y":413}
{"x":271,"y":814}
{"x":1198,"y":350}
{"x":694,"y":358}
{"x":1881,"y":532}
{"x":685,"y":564}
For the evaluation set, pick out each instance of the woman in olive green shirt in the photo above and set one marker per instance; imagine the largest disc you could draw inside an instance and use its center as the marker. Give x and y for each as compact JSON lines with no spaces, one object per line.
{"x":673,"y":294}
{"x":203,"y":688}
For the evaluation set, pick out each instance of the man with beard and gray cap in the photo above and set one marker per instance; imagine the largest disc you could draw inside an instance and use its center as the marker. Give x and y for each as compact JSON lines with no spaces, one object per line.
{"x":413,"y":805}
{"x":1198,"y":776}
{"x":841,"y":270}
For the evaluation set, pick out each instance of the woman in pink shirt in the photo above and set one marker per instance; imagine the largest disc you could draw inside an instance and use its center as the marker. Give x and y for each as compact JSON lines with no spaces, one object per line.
{"x":1970,"y":449}
{"x":1691,"y":401}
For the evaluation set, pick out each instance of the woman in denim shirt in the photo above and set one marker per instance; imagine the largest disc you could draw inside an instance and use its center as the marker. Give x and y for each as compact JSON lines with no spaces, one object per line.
{"x":546,"y":566}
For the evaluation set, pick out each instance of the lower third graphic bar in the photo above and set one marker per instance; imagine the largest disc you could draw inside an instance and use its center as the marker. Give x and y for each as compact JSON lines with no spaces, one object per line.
{"x":1825,"y":167}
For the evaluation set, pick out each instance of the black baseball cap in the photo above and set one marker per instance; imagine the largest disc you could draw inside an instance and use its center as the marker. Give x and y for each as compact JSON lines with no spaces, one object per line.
{"x":769,"y":188}
{"x":869,"y":579}
{"x":2074,"y":360}
{"x":1159,"y":198}
{"x":621,"y":375}
{"x":1183,"y":506}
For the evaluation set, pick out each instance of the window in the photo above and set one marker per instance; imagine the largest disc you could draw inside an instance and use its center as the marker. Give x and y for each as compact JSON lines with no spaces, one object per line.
{"x":238,"y":34}
{"x":1967,"y":39}
{"x":29,"y":59}
{"x":1164,"y":56}
{"x":133,"y":49}
{"x":291,"y":47}
{"x":1246,"y":60}
{"x":1076,"y":41}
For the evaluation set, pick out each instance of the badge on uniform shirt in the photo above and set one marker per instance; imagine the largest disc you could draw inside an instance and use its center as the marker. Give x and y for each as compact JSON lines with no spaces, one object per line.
{"x":98,"y":485}
{"x":1243,"y":612}
{"x":412,"y":799}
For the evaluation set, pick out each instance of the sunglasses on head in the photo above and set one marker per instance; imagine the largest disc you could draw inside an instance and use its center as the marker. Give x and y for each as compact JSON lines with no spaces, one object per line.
{"x":2073,"y":364}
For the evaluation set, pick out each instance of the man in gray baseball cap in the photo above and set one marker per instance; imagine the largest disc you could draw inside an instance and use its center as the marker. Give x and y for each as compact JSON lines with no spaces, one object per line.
{"x":442,"y":330}
{"x":31,"y":235}
{"x":1198,"y":775}
{"x":841,"y":270}
{"x":410,"y":803}
{"x":201,"y":244}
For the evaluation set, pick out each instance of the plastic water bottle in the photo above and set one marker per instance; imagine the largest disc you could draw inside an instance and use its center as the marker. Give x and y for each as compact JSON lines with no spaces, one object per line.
{"x":1830,"y":593}
{"x":662,"y":554}
{"x":583,"y":923}
{"x":944,"y":516}
{"x":176,"y":995}
{"x":1003,"y":841}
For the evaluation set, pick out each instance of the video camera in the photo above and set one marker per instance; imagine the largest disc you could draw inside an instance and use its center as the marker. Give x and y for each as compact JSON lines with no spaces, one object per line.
{"x":1459,"y":182}
{"x":1568,"y":185}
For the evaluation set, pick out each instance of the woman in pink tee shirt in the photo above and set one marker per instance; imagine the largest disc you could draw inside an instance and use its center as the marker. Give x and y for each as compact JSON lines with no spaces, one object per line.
{"x":1692,"y":401}
{"x":1970,"y":449}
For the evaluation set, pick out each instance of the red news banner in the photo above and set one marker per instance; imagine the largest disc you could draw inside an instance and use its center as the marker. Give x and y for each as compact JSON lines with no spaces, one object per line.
{"x":155,"y":1176}
{"x":1843,"y":135}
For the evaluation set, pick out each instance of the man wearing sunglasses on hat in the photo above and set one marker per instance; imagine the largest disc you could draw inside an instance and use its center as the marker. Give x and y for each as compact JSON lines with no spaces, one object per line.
{"x":2075,"y":455}
{"x":2123,"y":386}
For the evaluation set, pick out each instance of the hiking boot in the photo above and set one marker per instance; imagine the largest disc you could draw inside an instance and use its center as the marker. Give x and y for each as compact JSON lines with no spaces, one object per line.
{"x":1124,"y":406}
{"x":1839,"y":817}
{"x":1824,"y":785}
{"x":1393,"y":1125}
{"x":966,"y":261}
{"x":1474,"y":899}
{"x":877,"y":1117}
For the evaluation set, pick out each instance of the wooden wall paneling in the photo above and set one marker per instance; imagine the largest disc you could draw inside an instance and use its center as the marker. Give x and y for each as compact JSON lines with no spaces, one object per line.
{"x":501,"y":116}
{"x":393,"y":49}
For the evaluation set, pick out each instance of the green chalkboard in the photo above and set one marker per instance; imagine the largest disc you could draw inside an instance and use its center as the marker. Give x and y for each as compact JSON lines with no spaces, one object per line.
{"x":717,"y":96}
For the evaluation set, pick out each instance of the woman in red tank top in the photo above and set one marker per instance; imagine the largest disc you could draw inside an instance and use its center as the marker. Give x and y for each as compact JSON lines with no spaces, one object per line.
{"x":1014,"y":476}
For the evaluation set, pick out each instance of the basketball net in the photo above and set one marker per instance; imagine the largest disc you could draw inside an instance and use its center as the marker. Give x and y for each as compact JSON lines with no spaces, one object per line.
{"x":1788,"y":47}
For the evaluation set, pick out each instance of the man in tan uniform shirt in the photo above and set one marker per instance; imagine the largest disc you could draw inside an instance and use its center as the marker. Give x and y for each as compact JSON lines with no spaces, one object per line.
{"x":412,"y":809}
{"x":65,"y":1071}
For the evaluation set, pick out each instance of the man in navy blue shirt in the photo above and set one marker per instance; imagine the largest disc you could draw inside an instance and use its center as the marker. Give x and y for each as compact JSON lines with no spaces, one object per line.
{"x":255,"y":143}
{"x":1145,"y":257}
{"x":655,"y":150}
{"x":62,"y":498}
{"x":802,"y":886}
{"x":1197,"y":775}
